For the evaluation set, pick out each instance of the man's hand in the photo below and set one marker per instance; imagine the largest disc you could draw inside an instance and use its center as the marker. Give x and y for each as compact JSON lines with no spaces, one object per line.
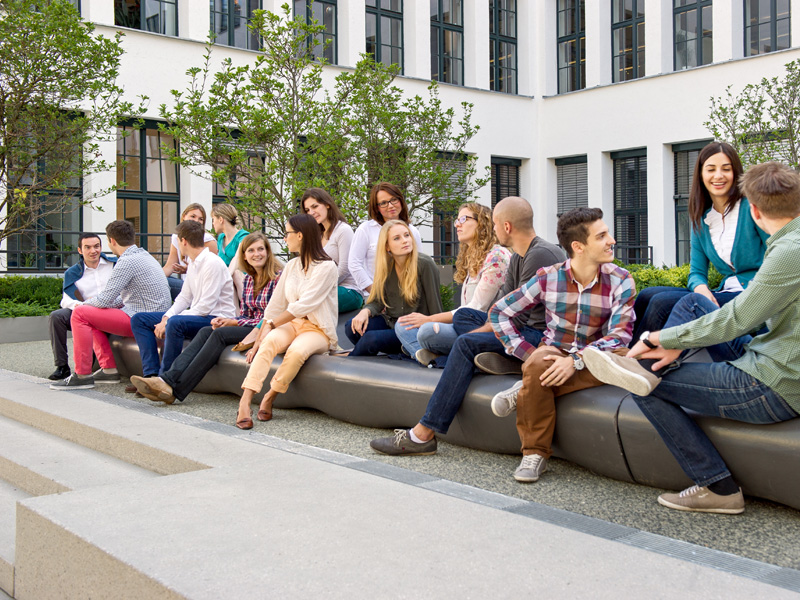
{"x":178,"y":269}
{"x":664,"y":357}
{"x":161,"y":329}
{"x":559,"y":372}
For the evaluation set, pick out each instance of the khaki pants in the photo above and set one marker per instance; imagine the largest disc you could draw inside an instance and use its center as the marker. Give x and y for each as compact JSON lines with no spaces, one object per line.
{"x":299,"y":339}
{"x":536,"y":405}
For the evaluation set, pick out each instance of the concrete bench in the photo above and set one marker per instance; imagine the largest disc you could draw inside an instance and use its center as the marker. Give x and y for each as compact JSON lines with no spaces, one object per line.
{"x":600,"y":429}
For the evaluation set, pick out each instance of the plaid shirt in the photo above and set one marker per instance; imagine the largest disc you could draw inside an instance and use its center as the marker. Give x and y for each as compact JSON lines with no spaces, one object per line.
{"x":253,"y":307}
{"x":599,"y":315}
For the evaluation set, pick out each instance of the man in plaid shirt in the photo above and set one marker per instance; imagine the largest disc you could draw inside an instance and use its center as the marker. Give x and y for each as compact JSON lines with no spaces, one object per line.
{"x":588,"y":302}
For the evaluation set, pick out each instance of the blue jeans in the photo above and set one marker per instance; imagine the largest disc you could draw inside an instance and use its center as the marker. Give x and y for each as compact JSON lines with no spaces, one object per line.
{"x":468,"y":319}
{"x":378,"y":337}
{"x":427,"y":337}
{"x":452,"y":387}
{"x":175,"y":286}
{"x":179,"y":328}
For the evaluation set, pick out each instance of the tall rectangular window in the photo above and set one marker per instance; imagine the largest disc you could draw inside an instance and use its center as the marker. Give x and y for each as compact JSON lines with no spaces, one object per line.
{"x":627,"y":39}
{"x":158,"y":16}
{"x":148,"y":194}
{"x":685,"y":159}
{"x":445,"y":241}
{"x":630,"y":206}
{"x":385,"y":31}
{"x":230,"y":20}
{"x":693,"y":33}
{"x":766,"y":26}
{"x":571,"y":45}
{"x":503,"y":46}
{"x":447,"y":41}
{"x":324,"y":13}
{"x":573,"y":183}
{"x":505,"y":178}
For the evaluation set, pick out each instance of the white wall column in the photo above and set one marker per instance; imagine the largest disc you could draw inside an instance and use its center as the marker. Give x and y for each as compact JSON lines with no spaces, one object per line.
{"x":600,"y":179}
{"x":794,"y":8}
{"x":104,"y":208}
{"x":351,"y":32}
{"x":660,"y":205}
{"x":193,"y":24}
{"x":417,"y":40}
{"x":598,"y":43}
{"x":527,"y":49}
{"x":98,"y":11}
{"x":476,"y":45}
{"x":546,"y":40}
{"x":728,"y":27}
{"x":658,"y":32}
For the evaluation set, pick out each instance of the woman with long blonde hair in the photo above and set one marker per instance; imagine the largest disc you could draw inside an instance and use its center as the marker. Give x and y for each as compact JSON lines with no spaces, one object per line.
{"x":405,"y":282}
{"x":480,"y":269}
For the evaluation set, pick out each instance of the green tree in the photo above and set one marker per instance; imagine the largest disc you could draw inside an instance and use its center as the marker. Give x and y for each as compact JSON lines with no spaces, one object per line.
{"x":762,"y":121}
{"x":58,"y":100}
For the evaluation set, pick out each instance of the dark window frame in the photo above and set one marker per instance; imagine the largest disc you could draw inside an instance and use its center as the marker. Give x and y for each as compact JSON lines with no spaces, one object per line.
{"x":230,"y":28}
{"x":682,"y":188}
{"x":578,"y":37}
{"x":308,"y":15}
{"x":773,"y":27}
{"x":439,"y":29}
{"x":504,"y":178}
{"x":496,"y":42}
{"x":632,"y":240}
{"x":579,"y":181}
{"x":636,"y":22}
{"x":120,"y":20}
{"x":380,"y":14}
{"x":687,"y":6}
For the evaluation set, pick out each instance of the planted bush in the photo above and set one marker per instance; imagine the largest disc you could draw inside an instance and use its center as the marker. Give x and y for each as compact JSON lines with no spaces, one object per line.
{"x":22,"y":296}
{"x":650,"y":276}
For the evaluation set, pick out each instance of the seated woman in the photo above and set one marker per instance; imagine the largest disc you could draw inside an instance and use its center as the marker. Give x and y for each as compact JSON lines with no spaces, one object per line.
{"x":481,"y":269}
{"x":386,"y":202}
{"x":300,"y":319}
{"x":723,"y":234}
{"x":262,"y":271}
{"x":227,"y":225}
{"x":175,"y":267}
{"x":405,"y":282}
{"x":337,"y":236}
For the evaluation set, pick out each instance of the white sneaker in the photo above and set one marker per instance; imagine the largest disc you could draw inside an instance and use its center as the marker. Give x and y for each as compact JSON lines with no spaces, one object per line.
{"x":504,"y":403}
{"x":617,"y":370}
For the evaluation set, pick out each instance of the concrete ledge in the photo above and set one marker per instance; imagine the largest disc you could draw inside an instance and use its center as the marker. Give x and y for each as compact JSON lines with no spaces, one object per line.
{"x":24,"y":329}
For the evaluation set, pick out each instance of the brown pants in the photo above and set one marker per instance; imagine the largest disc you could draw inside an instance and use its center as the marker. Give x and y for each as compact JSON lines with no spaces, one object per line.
{"x":536,"y":404}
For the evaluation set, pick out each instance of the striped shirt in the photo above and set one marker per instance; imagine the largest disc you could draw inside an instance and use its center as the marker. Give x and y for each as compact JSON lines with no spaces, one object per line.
{"x":773,"y":297}
{"x":253,"y":307}
{"x":599,"y":315}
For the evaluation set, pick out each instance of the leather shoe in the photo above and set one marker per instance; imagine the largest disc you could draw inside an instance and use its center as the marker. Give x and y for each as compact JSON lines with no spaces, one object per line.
{"x":246,"y":423}
{"x":264,"y":415}
{"x":60,"y":373}
{"x":153,"y":388}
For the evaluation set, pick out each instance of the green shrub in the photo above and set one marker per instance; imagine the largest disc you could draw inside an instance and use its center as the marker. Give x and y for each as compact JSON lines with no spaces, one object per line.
{"x":10,"y":308}
{"x":446,"y":293}
{"x":37,"y":293}
{"x":649,"y":276}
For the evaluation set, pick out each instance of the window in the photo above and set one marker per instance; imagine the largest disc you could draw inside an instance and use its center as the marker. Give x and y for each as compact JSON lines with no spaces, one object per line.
{"x":627,"y":39}
{"x":685,"y":159}
{"x":766,"y":26}
{"x":148,"y":194}
{"x":230,"y":27}
{"x":222,"y":191}
{"x":505,"y":178}
{"x":158,"y":16}
{"x":573,"y":183}
{"x":385,"y":31}
{"x":447,"y":41}
{"x":693,"y":39}
{"x":503,"y":46}
{"x":324,"y":13}
{"x":445,"y":241}
{"x":571,"y":45}
{"x":630,"y":207}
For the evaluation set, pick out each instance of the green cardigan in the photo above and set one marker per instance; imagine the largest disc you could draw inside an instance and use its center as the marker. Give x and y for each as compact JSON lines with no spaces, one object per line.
{"x":428,"y":303}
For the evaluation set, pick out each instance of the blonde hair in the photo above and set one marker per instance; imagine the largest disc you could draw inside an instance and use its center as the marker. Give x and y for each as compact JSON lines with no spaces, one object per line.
{"x":271,"y":268}
{"x":194,"y":206}
{"x":227,"y":212}
{"x":472,"y":254}
{"x":384,"y":263}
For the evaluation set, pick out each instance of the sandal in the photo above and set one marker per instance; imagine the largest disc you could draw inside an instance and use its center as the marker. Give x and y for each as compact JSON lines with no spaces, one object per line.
{"x":243,"y":346}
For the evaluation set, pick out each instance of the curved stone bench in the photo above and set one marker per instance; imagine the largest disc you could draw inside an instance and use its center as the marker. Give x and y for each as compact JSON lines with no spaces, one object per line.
{"x":600,"y":429}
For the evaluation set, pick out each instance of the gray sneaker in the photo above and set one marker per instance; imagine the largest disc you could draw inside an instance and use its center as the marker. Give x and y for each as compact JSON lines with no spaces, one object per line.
{"x":504,"y":403}
{"x":497,"y":364}
{"x":531,"y":468}
{"x":702,"y":499}
{"x":617,"y":370}
{"x":73,"y":382}
{"x":425,"y":357}
{"x":101,"y":377}
{"x":401,"y":444}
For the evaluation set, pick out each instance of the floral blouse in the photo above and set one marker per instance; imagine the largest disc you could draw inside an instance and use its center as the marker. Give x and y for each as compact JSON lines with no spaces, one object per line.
{"x":479,"y":292}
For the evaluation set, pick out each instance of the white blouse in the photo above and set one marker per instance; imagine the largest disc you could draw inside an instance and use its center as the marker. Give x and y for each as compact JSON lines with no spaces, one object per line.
{"x":722,"y":230}
{"x":338,"y":248}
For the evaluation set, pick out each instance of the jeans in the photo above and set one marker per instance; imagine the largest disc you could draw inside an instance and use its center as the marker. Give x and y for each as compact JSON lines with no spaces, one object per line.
{"x":179,"y":328}
{"x":468,"y":319}
{"x":198,"y":357}
{"x":378,"y":337}
{"x":452,"y":387}
{"x":349,"y":299}
{"x":89,"y":328}
{"x":427,"y":336}
{"x":175,"y":286}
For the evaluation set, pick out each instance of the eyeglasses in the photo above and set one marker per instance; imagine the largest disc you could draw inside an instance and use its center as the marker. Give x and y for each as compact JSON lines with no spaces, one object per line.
{"x":388,"y":202}
{"x":288,"y":231}
{"x":463,"y":219}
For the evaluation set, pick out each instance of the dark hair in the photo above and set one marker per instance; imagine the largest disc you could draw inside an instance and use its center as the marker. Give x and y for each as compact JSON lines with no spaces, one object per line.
{"x":394,"y":192}
{"x":311,"y":249}
{"x":271,"y":268}
{"x":573,"y":226}
{"x":699,"y":198}
{"x":121,"y":232}
{"x":335,"y":215}
{"x":85,"y":236}
{"x":192,"y":232}
{"x":774,"y":189}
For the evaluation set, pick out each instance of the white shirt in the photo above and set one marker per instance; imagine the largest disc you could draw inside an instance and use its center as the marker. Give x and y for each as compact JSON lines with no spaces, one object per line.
{"x":722,"y":230}
{"x":207,"y":290}
{"x":91,"y":283}
{"x":207,"y":237}
{"x":362,"y":252}
{"x":338,"y":248}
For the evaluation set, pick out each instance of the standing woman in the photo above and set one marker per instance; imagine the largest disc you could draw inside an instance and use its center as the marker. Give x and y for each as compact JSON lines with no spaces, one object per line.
{"x":175,"y":267}
{"x":262,"y":271}
{"x":405,"y":282}
{"x":226,"y":222}
{"x":337,"y":236}
{"x":481,"y":269}
{"x":386,"y":202}
{"x":723,"y":234}
{"x":300,"y":319}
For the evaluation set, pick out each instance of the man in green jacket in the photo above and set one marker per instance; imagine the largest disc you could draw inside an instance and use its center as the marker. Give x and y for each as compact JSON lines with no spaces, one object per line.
{"x":758,"y":383}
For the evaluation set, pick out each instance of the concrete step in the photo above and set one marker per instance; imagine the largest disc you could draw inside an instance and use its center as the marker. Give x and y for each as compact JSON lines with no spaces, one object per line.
{"x":9,"y":495}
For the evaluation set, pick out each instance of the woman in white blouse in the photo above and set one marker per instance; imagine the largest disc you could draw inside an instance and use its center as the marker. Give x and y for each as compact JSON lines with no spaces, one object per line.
{"x":337,"y":236}
{"x":300,"y":319}
{"x":386,"y":202}
{"x":480,"y":269}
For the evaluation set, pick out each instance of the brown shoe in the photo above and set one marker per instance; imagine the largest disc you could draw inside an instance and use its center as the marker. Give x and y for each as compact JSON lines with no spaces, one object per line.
{"x":153,"y":388}
{"x":246,"y":423}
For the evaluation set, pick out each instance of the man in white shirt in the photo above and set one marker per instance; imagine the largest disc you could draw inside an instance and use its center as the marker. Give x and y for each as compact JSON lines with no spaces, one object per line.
{"x":82,"y":281}
{"x":207,"y":292}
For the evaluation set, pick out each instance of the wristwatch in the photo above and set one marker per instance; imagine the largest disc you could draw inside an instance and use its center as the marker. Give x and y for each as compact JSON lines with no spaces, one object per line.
{"x":578,"y":361}
{"x":645,"y":339}
{"x":271,"y":323}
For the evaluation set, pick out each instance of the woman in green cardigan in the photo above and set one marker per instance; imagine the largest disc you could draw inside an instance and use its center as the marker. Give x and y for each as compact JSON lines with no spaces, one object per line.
{"x":226,"y":222}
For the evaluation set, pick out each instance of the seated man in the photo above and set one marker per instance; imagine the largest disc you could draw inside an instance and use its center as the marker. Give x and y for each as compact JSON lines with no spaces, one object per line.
{"x":82,"y":281}
{"x":588,"y":302}
{"x":137,"y":283}
{"x":761,"y":381}
{"x":513,"y":224}
{"x":207,"y":292}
